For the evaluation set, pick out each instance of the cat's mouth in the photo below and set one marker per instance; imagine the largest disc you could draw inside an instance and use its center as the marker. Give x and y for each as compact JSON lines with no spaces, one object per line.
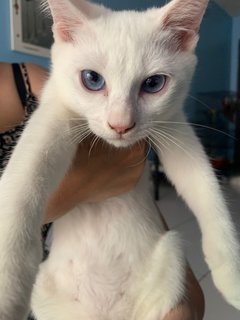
{"x":114,"y":138}
{"x":118,"y":141}
{"x":123,"y":140}
{"x":93,"y":141}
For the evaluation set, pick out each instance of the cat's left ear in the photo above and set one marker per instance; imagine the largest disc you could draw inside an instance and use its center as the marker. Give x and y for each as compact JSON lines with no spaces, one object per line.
{"x":69,"y":15}
{"x":183,"y":18}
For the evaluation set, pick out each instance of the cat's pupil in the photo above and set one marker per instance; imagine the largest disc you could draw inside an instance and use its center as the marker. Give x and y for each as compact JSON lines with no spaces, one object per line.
{"x":154,"y":84}
{"x":92,"y":80}
{"x":93,"y":76}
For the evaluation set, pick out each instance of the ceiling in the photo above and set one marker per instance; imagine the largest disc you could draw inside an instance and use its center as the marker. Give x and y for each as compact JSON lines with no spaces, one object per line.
{"x":232,"y":7}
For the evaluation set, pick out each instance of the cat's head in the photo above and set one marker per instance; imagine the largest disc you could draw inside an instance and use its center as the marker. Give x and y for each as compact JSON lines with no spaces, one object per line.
{"x":124,"y":71}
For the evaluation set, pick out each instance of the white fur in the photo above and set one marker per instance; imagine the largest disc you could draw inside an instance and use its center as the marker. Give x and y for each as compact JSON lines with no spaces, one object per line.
{"x":110,"y":263}
{"x":111,"y":260}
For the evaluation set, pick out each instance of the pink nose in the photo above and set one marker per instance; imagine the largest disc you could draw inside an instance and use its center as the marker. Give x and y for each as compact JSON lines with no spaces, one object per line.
{"x":122,"y":129}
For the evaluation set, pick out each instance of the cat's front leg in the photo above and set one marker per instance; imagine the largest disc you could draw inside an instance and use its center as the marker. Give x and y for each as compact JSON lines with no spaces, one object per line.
{"x":187,"y":166}
{"x":161,"y":286}
{"x":37,"y":165}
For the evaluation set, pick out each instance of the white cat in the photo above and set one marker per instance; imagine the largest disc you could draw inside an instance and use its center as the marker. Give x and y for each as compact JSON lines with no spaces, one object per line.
{"x":125,"y":76}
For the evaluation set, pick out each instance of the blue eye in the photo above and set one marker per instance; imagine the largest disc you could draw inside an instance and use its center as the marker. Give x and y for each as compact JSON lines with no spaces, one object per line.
{"x":154,"y":84}
{"x":92,"y":80}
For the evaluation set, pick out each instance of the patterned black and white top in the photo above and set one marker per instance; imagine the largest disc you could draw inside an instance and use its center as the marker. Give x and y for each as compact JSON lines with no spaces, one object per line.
{"x":9,"y":138}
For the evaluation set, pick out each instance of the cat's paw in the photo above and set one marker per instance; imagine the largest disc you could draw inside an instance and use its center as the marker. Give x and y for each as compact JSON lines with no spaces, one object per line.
{"x":227,"y":280}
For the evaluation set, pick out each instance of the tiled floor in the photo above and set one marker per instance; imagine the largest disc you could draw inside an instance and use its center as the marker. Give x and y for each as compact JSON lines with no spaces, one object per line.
{"x":179,"y":217}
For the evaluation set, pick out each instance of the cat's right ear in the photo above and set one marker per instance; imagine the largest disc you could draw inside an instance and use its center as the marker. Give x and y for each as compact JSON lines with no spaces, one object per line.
{"x":69,"y":15}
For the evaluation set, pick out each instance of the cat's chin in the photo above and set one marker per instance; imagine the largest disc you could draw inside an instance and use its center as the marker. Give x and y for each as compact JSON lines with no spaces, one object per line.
{"x":117,"y":140}
{"x":120,"y":143}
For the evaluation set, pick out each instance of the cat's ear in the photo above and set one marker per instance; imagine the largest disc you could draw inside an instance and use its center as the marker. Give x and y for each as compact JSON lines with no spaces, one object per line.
{"x":183,"y":18}
{"x":68,"y":15}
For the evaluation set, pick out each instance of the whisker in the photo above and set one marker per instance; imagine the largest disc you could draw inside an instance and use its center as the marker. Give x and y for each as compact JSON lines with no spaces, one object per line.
{"x":78,"y":119}
{"x":76,"y":130}
{"x":95,"y":139}
{"x":174,"y":141}
{"x":84,"y":137}
{"x":194,"y":125}
{"x":162,"y":136}
{"x":157,"y":148}
{"x":152,"y":139}
{"x":167,"y":134}
{"x":177,"y":140}
{"x":169,"y":138}
{"x":79,"y":130}
{"x":200,"y":101}
{"x":171,"y":129}
{"x":145,"y":157}
{"x":79,"y":125}
{"x":80,"y":136}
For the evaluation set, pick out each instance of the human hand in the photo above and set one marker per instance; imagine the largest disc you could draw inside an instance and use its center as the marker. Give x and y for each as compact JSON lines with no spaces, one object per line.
{"x":98,"y":172}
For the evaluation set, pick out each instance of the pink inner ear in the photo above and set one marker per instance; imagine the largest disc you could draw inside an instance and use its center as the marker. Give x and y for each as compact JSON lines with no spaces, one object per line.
{"x":187,"y":23}
{"x":62,"y":32}
{"x":183,"y":19}
{"x":185,"y":14}
{"x":65,"y":30}
{"x":66,"y":19}
{"x":183,"y":40}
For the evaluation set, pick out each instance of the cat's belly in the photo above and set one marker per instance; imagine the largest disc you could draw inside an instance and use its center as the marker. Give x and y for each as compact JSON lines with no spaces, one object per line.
{"x":83,"y":292}
{"x":98,"y":251}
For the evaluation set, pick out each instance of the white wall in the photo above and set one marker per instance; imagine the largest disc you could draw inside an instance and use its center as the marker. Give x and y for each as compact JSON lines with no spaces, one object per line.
{"x":234,"y":58}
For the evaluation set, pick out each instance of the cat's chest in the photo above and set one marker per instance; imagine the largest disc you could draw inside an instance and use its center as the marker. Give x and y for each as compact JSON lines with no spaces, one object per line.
{"x":89,"y":266}
{"x":96,"y":255}
{"x":104,"y":232}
